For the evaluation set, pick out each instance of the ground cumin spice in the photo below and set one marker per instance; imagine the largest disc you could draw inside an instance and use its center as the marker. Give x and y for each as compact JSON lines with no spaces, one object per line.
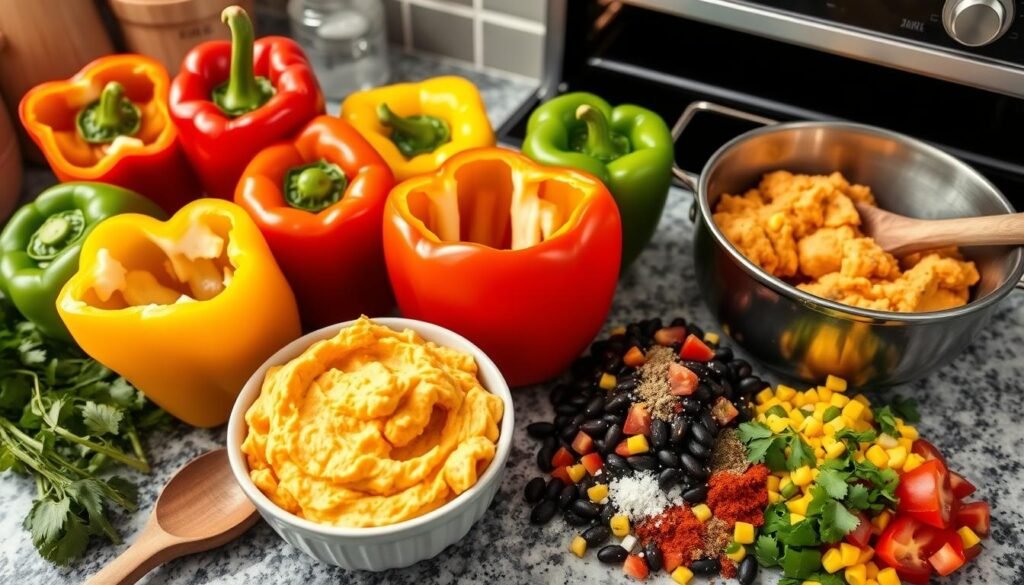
{"x":737,"y":497}
{"x":729,"y":454}
{"x":654,"y":390}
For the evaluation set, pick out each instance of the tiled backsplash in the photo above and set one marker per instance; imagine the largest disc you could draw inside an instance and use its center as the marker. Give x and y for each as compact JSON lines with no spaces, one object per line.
{"x":489,"y":35}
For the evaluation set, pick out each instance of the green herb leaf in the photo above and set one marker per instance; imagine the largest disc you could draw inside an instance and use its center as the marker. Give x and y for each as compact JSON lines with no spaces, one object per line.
{"x":766,"y":550}
{"x":750,"y":431}
{"x":46,"y":519}
{"x":804,"y":533}
{"x":776,"y":519}
{"x":886,"y":421}
{"x":905,"y":408}
{"x":834,"y":483}
{"x":101,"y":419}
{"x":800,"y":453}
{"x":836,"y":522}
{"x":858,"y":497}
{"x":800,"y":563}
{"x":69,"y":546}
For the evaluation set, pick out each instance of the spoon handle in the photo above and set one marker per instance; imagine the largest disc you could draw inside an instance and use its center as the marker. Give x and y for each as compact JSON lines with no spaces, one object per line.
{"x":152,"y":548}
{"x":990,"y":230}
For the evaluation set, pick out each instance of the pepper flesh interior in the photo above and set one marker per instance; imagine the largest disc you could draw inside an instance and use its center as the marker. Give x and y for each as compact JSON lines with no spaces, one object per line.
{"x":193,"y":266}
{"x":488,"y":203}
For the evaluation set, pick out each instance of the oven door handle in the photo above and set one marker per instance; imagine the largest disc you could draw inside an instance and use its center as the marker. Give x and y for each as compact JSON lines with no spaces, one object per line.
{"x":689,"y":179}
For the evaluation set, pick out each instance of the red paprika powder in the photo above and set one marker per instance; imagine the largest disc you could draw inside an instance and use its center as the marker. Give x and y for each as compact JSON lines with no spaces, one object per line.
{"x":676,"y":531}
{"x":735,"y":497}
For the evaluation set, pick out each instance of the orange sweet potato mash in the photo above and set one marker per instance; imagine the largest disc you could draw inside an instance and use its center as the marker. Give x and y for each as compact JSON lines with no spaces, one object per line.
{"x":805,"y":229}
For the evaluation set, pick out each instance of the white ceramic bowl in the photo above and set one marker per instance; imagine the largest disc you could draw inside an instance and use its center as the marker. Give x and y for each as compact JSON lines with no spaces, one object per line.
{"x":383,"y":547}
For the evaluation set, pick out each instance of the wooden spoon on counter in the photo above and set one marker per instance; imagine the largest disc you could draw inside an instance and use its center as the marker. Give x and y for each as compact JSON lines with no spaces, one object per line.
{"x":901,"y":235}
{"x":201,"y":508}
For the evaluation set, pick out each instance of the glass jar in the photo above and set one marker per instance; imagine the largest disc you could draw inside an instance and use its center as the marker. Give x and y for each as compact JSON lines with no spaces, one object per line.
{"x":345,"y":40}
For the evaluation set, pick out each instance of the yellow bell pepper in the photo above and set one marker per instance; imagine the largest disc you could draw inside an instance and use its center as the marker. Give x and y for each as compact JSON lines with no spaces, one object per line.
{"x":185,"y":309}
{"x":418,"y":126}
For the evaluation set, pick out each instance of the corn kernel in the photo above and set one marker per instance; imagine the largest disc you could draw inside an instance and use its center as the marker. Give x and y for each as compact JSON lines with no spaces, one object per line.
{"x":799,"y":505}
{"x":597,"y":493}
{"x":835,"y":383}
{"x":835,"y":425}
{"x":853,"y":410}
{"x":908,"y":432}
{"x":711,"y":337}
{"x":764,"y":396}
{"x":702,"y":512}
{"x":811,"y":396}
{"x":888,"y":576}
{"x":620,"y":330}
{"x":802,"y":476}
{"x":849,"y":554}
{"x":812,"y":427}
{"x":786,"y":406}
{"x":871,"y":582}
{"x":839,"y":401}
{"x":576,"y":472}
{"x":810,"y":583}
{"x":785,"y":392}
{"x":776,"y":221}
{"x":743,"y":533}
{"x":578,"y":546}
{"x":607,"y":382}
{"x":795,"y":519}
{"x":835,"y":450}
{"x":856,"y":575}
{"x":897,"y":457}
{"x":637,"y":444}
{"x":619,"y":525}
{"x":777,"y":424}
{"x":968,"y":537}
{"x":773,"y":483}
{"x":824,"y":394}
{"x":872,"y":569}
{"x":774,"y":497}
{"x":866,"y":554}
{"x":877,"y":455}
{"x":832,"y":561}
{"x":887,"y":441}
{"x":862,"y":399}
{"x":682,"y":575}
{"x":881,"y":521}
{"x":815,"y":441}
{"x":906,"y":443}
{"x":797,"y":417}
{"x":798,"y":400}
{"x":738,"y":555}
{"x":913,"y":462}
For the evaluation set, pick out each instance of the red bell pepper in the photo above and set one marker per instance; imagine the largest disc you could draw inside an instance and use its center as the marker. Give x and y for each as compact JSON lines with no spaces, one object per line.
{"x":319,"y":201}
{"x":232,"y":99}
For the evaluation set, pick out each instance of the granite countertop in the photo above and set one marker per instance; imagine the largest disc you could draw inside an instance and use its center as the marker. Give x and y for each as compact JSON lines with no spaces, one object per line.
{"x":971,"y":410}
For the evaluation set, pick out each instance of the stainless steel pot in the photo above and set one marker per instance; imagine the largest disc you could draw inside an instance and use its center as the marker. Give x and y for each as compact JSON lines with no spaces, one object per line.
{"x":807,"y":337}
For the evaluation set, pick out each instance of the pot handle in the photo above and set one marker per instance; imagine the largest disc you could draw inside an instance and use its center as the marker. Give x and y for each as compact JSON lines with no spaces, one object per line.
{"x":691,"y":180}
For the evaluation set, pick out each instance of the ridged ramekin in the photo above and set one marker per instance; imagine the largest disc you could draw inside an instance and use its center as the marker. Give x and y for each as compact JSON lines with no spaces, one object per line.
{"x":383,"y":547}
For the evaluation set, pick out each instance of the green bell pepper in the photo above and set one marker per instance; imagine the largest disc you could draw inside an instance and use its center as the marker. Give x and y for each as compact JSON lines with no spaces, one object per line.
{"x":39,"y":247}
{"x":628,"y":148}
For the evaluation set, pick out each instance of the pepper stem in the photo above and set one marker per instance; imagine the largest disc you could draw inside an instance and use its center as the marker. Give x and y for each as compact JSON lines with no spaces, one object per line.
{"x":53,"y":231}
{"x":419,"y":130}
{"x":414,"y":135}
{"x":243,"y":91}
{"x":108,"y":115}
{"x":314,"y":183}
{"x":599,"y":142}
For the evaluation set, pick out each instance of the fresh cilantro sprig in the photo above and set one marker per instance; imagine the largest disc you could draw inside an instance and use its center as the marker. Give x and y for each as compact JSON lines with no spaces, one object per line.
{"x":765,"y":446}
{"x":64,"y":419}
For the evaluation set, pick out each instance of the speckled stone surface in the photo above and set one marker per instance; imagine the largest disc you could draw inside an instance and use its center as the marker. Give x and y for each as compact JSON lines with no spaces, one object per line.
{"x":972,"y":410}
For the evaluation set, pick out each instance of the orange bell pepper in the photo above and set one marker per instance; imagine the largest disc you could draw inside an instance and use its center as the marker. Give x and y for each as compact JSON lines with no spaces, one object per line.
{"x":109,"y":123}
{"x":521,"y":259}
{"x":186,"y":310}
{"x":319,"y":201}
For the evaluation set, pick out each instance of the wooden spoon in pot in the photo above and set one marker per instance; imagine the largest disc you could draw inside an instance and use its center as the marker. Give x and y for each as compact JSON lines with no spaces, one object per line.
{"x":201,"y":508}
{"x":901,"y":235}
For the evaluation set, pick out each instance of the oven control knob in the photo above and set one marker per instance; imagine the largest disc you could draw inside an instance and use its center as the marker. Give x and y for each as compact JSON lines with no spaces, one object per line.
{"x":975,"y":23}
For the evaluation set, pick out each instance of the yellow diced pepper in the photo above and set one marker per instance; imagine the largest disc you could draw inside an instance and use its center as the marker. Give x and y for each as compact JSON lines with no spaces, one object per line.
{"x":811,"y":396}
{"x":764,"y":396}
{"x":619,"y":525}
{"x":637,"y":444}
{"x":795,"y":519}
{"x":835,"y":450}
{"x":702,"y":512}
{"x":777,"y":424}
{"x":849,"y":554}
{"x":877,"y":455}
{"x":738,"y":556}
{"x":862,"y":399}
{"x":819,"y":410}
{"x":711,"y":337}
{"x":832,"y":561}
{"x":897,"y":457}
{"x":968,"y":537}
{"x":913,"y":462}
{"x":799,"y":505}
{"x":824,"y":394}
{"x":872,"y":569}
{"x":801,"y":476}
{"x":743,"y":533}
{"x":576,"y":472}
{"x":853,"y":410}
{"x":856,"y":575}
{"x":811,"y":427}
{"x":774,"y":497}
{"x":866,"y":554}
{"x":906,"y":443}
{"x":835,"y":383}
{"x":773,"y":483}
{"x":607,"y":382}
{"x":835,"y":425}
{"x":798,"y":400}
{"x":888,"y":576}
{"x":682,"y":575}
{"x":578,"y":546}
{"x":597,"y":493}
{"x":908,"y":432}
{"x":839,"y":401}
{"x":797,"y":417}
{"x":881,"y":521}
{"x":785,"y":392}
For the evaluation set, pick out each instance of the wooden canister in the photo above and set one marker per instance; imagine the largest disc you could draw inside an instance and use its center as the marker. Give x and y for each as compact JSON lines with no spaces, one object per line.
{"x":43,"y":40}
{"x":167,"y":29}
{"x":10,"y":165}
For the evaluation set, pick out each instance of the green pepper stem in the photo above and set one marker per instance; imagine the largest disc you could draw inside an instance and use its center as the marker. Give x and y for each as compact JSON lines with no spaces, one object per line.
{"x":314,"y":183}
{"x":242,"y":93}
{"x":420,"y":130}
{"x":108,"y":115}
{"x":599,"y":143}
{"x":54,"y":230}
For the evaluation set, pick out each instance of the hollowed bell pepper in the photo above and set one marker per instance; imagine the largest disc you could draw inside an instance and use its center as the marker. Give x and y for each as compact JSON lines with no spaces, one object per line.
{"x":233,"y":99}
{"x":185,"y":309}
{"x":109,"y":123}
{"x":417,"y":126}
{"x":519,"y":258}
{"x":40,"y":245}
{"x":319,"y":201}
{"x":628,"y":147}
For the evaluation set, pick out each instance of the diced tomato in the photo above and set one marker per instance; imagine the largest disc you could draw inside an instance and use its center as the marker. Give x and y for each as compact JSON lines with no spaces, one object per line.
{"x":638,"y":421}
{"x":695,"y":349}
{"x":634,"y":358}
{"x":622,"y":449}
{"x":906,"y":544}
{"x":976,"y":516}
{"x":948,"y":558}
{"x":972,"y":553}
{"x":582,"y":444}
{"x":636,"y":567}
{"x":562,"y":473}
{"x":961,"y":486}
{"x":925,"y":494}
{"x":723,"y":411}
{"x":562,"y":458}
{"x":670,"y":335}
{"x":671,"y":559}
{"x":682,"y":380}
{"x":592,"y":462}
{"x":927,"y":450}
{"x":861,"y":535}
